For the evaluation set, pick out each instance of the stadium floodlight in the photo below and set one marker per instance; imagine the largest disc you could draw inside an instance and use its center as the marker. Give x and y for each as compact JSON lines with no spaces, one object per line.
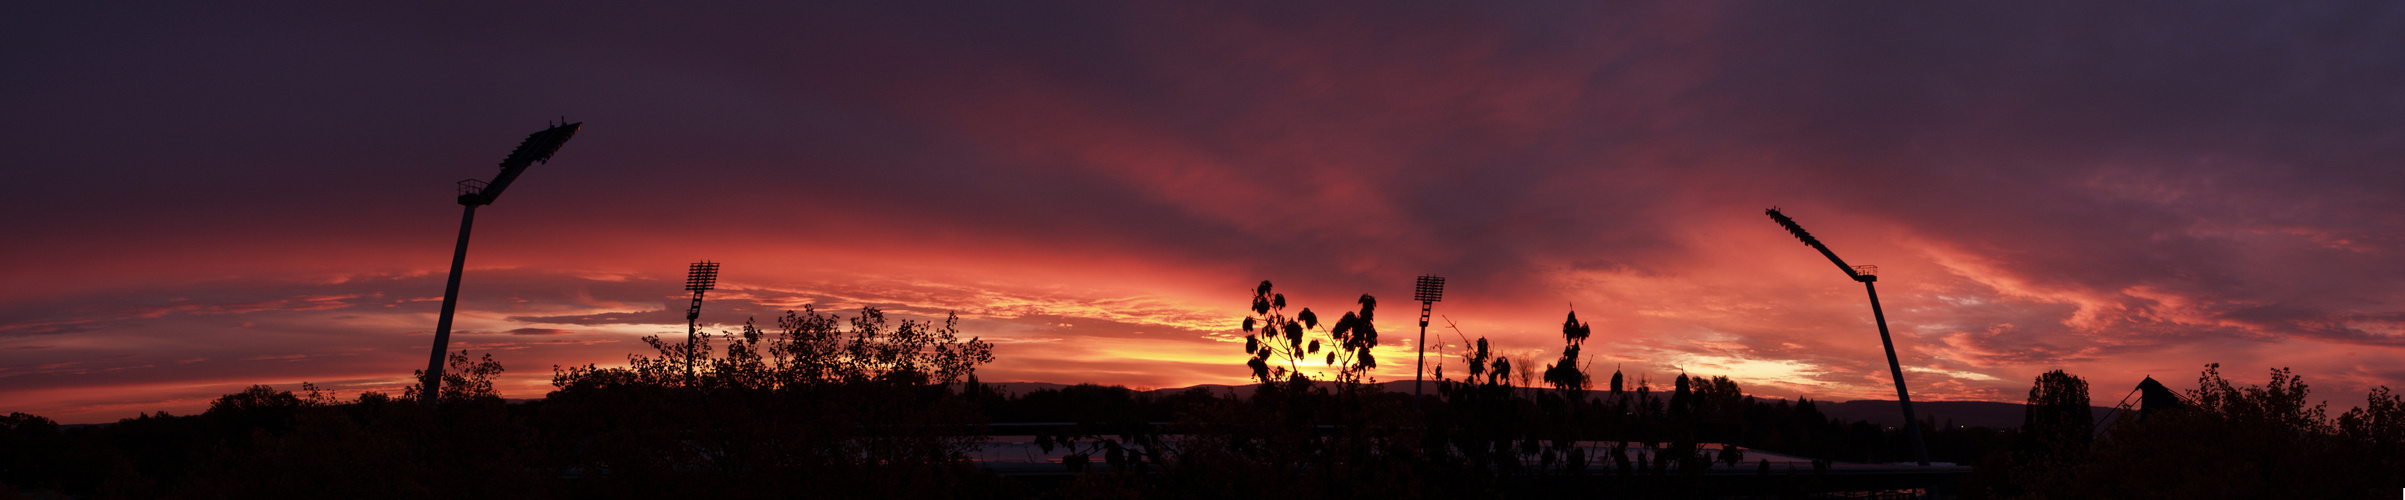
{"x":702,"y":277}
{"x":1428,"y":291}
{"x":1869,"y":276}
{"x":537,"y":148}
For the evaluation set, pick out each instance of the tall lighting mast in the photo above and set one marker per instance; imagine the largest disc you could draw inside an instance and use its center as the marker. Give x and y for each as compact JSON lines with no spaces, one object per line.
{"x":702,"y":277}
{"x":1869,"y":277}
{"x":1429,"y":290}
{"x":472,"y":193}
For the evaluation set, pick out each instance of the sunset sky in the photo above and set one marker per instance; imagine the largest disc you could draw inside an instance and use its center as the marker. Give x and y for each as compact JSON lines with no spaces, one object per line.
{"x":206,"y":197}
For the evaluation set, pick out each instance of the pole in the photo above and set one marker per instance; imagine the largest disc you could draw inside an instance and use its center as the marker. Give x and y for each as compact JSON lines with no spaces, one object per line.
{"x":692,"y":318}
{"x":1421,"y":367}
{"x":1912,"y":425}
{"x":442,"y":327}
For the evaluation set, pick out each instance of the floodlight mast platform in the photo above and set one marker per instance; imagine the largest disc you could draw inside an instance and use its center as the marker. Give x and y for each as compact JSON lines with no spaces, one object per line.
{"x":702,"y":277}
{"x":1869,"y":276}
{"x":1428,"y":291}
{"x":537,"y":148}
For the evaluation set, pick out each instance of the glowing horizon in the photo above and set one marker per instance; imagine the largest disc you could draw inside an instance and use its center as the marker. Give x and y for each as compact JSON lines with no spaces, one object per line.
{"x":2115,"y":191}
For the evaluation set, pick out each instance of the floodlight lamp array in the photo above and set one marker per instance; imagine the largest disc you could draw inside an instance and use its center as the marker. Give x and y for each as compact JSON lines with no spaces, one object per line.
{"x":1430,"y":289}
{"x":703,"y":276}
{"x":540,"y":146}
{"x":1792,"y":227}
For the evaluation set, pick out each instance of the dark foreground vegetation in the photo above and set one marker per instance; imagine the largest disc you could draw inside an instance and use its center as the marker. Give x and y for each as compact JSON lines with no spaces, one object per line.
{"x":822,"y":405}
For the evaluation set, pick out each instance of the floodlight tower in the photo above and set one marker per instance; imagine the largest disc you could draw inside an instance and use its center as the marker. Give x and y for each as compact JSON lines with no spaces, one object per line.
{"x":1429,"y":290}
{"x":702,"y":277}
{"x":1869,"y":276}
{"x":537,"y":148}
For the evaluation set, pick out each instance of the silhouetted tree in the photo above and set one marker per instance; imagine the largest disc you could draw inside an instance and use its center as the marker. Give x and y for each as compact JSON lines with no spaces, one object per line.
{"x":822,"y":403}
{"x":1564,"y":374}
{"x":2228,"y":442}
{"x":2379,"y":427}
{"x":462,"y":380}
{"x":1355,"y":335}
{"x":1290,"y":437}
{"x":2056,"y":415}
{"x":1718,"y":409}
{"x":2053,"y":444}
{"x":2279,"y":404}
{"x":1272,"y":338}
{"x":29,"y":447}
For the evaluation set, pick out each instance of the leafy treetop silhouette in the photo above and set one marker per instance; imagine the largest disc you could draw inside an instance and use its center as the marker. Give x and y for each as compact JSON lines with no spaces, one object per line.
{"x":1272,"y":339}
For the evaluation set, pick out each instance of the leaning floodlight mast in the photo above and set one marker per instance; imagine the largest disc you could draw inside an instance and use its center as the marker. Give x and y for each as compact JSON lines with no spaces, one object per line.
{"x":1869,"y":276}
{"x":537,"y":148}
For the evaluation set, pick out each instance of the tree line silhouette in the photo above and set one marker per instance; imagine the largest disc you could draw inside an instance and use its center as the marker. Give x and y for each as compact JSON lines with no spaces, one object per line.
{"x":2218,"y":440}
{"x":822,"y":404}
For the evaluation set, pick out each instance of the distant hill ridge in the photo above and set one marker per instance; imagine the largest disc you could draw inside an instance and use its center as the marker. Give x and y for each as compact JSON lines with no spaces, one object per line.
{"x":1883,"y":412}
